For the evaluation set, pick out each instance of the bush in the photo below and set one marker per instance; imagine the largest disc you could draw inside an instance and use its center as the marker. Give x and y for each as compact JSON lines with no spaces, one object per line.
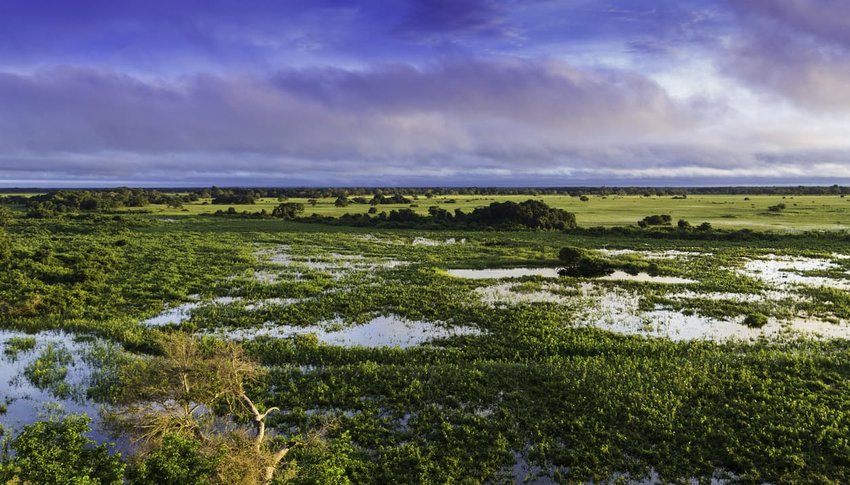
{"x":288,"y":210}
{"x":656,"y":220}
{"x":579,"y":262}
{"x":755,"y":320}
{"x":58,"y":453}
{"x":178,"y":461}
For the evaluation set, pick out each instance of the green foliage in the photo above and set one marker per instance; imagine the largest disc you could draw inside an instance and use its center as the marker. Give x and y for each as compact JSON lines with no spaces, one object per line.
{"x":48,"y":371}
{"x":5,"y":247}
{"x":656,"y":220}
{"x":6,"y":216}
{"x":531,"y":214}
{"x":535,"y":386}
{"x":57,"y":452}
{"x":16,"y":345}
{"x":178,"y":460}
{"x":578,"y":262}
{"x":755,"y":320}
{"x":333,"y":461}
{"x":288,"y":210}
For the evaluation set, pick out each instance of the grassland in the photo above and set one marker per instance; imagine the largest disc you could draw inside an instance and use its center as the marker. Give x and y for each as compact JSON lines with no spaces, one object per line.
{"x":540,"y":389}
{"x":722,"y":211}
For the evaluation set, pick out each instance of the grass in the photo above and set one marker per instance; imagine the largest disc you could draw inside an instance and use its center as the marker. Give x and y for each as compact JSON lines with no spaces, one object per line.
{"x":581,"y":403}
{"x":17,"y":345}
{"x":802,"y":213}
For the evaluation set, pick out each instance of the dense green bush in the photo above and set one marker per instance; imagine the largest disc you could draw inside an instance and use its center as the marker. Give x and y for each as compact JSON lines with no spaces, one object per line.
{"x":177,"y":461}
{"x":56,"y":452}
{"x":578,"y":262}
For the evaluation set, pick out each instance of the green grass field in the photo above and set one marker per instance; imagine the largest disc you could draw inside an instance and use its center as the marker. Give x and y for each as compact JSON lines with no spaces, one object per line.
{"x":722,"y":211}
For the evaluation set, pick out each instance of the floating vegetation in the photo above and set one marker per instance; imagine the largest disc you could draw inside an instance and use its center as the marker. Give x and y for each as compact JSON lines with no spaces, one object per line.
{"x":16,"y":345}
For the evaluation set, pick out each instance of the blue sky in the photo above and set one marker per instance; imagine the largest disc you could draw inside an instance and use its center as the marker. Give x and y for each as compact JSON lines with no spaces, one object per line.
{"x":441,"y":92}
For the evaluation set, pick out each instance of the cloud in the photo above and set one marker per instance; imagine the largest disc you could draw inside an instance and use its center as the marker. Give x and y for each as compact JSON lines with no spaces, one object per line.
{"x":796,"y":49}
{"x":479,"y":107}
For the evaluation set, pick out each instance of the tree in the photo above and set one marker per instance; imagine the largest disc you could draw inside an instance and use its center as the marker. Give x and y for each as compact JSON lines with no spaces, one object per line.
{"x":656,"y":220}
{"x":341,"y":201}
{"x":578,"y":262}
{"x":58,"y":452}
{"x":171,"y":403}
{"x":288,"y":210}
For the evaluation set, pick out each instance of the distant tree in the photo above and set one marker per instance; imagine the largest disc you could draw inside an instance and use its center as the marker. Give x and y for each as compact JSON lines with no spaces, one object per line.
{"x":312,"y":202}
{"x":584,"y":198}
{"x":656,"y":220}
{"x":341,"y":201}
{"x":439,"y":213}
{"x":89,"y":204}
{"x":288,"y":210}
{"x":531,"y":214}
{"x":683,"y":225}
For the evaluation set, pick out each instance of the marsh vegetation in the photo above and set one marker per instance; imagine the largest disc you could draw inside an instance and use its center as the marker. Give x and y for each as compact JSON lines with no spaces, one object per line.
{"x":203,"y":346}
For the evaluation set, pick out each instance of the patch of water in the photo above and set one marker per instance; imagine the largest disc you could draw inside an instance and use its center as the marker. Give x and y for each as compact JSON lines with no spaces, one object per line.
{"x":278,"y":255}
{"x":273,"y":302}
{"x":668,"y":254}
{"x":785,"y":271}
{"x":182,"y":312}
{"x":498,"y":273}
{"x":618,"y":310}
{"x":505,"y":294}
{"x":645,"y":278}
{"x":27,"y":403}
{"x":383,"y":331}
{"x":424,"y":241}
{"x":770,"y":295}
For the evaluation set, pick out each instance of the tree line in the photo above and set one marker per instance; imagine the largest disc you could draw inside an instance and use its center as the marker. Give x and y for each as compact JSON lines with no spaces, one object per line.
{"x":531,"y":214}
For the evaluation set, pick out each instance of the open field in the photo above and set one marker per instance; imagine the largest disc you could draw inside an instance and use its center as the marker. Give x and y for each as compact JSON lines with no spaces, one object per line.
{"x":437,"y":366}
{"x":802,"y":213}
{"x":733,"y":212}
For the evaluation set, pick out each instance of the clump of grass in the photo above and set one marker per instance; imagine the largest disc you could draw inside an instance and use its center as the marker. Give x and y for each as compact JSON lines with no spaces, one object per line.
{"x":16,"y":345}
{"x":755,"y":320}
{"x":48,"y":371}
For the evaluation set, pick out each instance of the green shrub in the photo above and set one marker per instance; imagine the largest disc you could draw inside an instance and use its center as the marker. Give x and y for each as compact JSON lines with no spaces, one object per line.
{"x":755,"y":320}
{"x":58,"y":453}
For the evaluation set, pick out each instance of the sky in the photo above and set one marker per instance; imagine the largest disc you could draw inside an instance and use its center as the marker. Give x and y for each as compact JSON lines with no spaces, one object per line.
{"x":424,"y":92}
